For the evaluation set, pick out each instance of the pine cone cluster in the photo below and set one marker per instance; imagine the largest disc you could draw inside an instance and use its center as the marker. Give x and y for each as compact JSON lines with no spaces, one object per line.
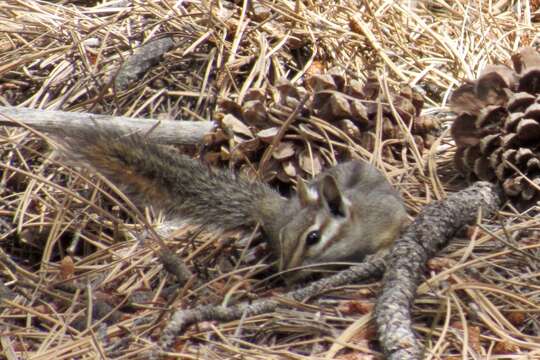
{"x":332,"y":113}
{"x":497,"y":127}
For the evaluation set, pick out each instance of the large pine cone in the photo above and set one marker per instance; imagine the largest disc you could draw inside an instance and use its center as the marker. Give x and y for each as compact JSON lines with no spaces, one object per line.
{"x":337,"y":112}
{"x":497,"y":128}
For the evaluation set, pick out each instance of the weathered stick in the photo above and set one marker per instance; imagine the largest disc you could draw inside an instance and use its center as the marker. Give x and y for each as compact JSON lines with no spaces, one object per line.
{"x":158,"y":131}
{"x":181,"y":319}
{"x":430,"y":231}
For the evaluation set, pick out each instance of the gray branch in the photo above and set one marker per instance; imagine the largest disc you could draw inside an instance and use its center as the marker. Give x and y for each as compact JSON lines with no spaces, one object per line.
{"x":430,"y":231}
{"x":158,"y":131}
{"x":181,"y":319}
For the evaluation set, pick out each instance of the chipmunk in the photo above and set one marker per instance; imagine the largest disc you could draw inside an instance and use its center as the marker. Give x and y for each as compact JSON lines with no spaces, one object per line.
{"x":345,"y":213}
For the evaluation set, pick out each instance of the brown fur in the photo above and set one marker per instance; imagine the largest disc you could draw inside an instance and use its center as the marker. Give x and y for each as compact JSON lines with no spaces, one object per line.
{"x":353,"y":200}
{"x":159,"y":176}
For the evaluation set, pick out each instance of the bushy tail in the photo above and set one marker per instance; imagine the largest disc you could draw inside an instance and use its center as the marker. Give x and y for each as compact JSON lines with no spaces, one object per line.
{"x":158,"y":176}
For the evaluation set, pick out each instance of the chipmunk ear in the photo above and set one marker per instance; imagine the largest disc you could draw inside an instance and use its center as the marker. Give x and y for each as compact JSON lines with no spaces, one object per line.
{"x":332,"y":197}
{"x":305,"y":195}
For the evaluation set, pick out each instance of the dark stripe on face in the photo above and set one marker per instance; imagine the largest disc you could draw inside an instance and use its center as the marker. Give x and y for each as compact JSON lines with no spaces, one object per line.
{"x":332,"y":225}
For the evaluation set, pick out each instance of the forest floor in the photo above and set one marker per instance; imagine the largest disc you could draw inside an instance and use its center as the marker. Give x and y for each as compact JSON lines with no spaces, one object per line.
{"x":69,"y":242}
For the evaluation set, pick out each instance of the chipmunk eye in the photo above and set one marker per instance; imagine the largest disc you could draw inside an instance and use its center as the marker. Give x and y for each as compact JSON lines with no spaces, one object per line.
{"x":313,"y":237}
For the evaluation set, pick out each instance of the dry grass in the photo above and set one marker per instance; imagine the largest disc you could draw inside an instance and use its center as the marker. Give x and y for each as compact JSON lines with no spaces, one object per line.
{"x":481,"y":298}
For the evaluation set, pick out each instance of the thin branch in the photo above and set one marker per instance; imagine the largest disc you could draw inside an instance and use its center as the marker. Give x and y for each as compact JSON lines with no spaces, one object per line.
{"x":158,"y":131}
{"x":373,"y":267}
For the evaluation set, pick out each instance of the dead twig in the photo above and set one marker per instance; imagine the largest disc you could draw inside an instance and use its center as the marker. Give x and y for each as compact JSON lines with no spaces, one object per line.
{"x":431,"y":230}
{"x":373,"y":266}
{"x":158,"y":131}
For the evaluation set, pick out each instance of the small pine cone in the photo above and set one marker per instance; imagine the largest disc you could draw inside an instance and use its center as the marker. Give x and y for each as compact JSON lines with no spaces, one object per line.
{"x":349,"y":110}
{"x":497,"y":127}
{"x":335,"y":101}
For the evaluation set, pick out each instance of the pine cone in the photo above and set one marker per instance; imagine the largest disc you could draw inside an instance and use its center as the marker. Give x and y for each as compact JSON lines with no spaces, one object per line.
{"x":497,"y":127}
{"x":336,"y":109}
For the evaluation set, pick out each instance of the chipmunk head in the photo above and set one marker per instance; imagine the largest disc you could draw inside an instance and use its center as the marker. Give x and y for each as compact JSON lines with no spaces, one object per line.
{"x":317,"y":227}
{"x":339,"y":220}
